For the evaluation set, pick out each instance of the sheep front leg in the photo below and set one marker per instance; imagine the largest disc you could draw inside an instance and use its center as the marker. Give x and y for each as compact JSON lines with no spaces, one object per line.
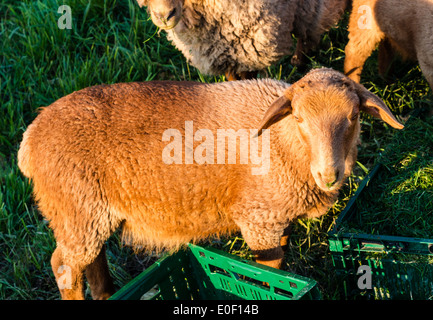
{"x":357,"y":51}
{"x":244,"y":75}
{"x":69,"y":266}
{"x":69,"y":276}
{"x":265,"y":244}
{"x":298,"y":58}
{"x":272,"y":257}
{"x":231,"y":76}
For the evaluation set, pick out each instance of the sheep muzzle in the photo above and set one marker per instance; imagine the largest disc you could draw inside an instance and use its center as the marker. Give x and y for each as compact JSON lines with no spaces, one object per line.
{"x":165,"y":14}
{"x":330,"y":177}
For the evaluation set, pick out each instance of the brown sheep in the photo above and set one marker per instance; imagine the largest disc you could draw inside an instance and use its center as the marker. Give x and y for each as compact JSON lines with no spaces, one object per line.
{"x":240,"y":38}
{"x":404,"y":26}
{"x":103,"y":158}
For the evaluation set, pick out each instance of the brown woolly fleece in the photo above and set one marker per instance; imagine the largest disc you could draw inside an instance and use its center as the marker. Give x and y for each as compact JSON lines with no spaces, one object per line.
{"x":225,"y":36}
{"x":404,"y":26}
{"x":95,"y":160}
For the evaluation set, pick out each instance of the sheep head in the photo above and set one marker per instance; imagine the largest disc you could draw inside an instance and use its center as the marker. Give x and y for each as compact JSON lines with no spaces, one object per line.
{"x":165,"y":14}
{"x":325,"y":105}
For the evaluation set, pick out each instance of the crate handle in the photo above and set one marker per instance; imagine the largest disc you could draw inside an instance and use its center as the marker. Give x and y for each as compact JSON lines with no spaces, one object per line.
{"x":387,"y":246}
{"x":372,"y":246}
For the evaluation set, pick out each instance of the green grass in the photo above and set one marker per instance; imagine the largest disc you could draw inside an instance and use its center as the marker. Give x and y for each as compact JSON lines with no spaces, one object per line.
{"x":114,"y":41}
{"x":399,"y":201}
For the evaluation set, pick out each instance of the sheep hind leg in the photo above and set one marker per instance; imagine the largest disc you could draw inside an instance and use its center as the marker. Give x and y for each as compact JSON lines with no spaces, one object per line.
{"x":98,"y":276}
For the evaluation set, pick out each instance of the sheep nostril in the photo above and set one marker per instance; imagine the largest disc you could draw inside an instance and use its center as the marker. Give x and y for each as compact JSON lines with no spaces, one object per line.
{"x":171,"y":14}
{"x":337,"y":174}
{"x":331,"y":179}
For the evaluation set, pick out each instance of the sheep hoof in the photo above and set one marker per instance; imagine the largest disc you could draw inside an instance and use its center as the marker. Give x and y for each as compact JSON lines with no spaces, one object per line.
{"x":296,"y":61}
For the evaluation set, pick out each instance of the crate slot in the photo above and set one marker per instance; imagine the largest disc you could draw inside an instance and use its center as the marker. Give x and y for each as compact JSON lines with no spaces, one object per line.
{"x":256,"y":294}
{"x":241,"y":290}
{"x":253,"y":281}
{"x":215,"y":269}
{"x":283,"y":292}
{"x":225,"y":284}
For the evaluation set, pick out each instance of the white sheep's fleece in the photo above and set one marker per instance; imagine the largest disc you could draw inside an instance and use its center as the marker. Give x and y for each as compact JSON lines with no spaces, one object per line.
{"x":239,"y":36}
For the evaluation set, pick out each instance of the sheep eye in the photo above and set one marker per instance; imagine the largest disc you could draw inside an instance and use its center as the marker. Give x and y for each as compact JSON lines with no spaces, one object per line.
{"x":297,"y":118}
{"x":355,"y":116}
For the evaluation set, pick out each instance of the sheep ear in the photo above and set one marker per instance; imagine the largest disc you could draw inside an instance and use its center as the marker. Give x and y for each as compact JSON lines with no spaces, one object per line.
{"x":373,"y":105}
{"x":278,"y":110}
{"x":142,"y":3}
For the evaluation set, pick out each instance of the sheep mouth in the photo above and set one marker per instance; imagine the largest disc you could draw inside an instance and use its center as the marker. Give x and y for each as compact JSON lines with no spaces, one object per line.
{"x":165,"y":27}
{"x":327,"y":185}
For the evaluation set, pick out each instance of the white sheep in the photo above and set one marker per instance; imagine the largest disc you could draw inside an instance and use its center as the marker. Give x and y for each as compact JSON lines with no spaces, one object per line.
{"x":404,"y":26}
{"x":152,"y":159}
{"x":239,"y":38}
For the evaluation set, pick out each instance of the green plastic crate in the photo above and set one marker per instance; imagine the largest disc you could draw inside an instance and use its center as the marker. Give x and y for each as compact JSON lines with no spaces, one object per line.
{"x":392,"y":278}
{"x":199,"y":273}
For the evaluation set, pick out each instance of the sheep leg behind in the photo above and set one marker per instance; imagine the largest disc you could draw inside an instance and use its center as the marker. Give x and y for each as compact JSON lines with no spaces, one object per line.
{"x":244,"y":75}
{"x":247,"y":75}
{"x":98,"y":276}
{"x":385,"y":58}
{"x":364,"y":36}
{"x":426,"y":64}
